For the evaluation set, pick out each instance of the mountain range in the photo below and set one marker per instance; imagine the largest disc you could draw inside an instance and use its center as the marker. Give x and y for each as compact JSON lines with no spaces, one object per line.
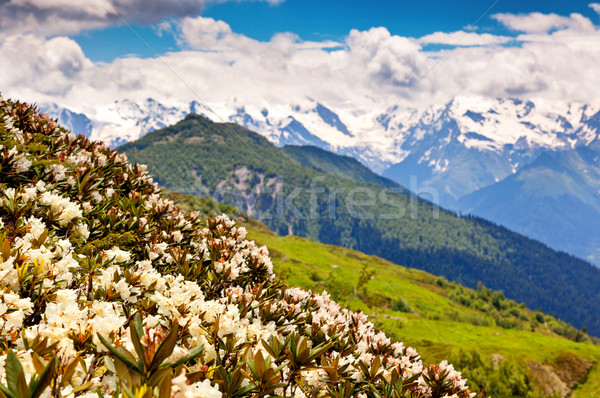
{"x":447,"y":153}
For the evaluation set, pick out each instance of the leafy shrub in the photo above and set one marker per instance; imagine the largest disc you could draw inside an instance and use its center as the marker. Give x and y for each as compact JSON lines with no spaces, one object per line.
{"x":500,"y":377}
{"x":441,"y":281}
{"x":401,"y":305}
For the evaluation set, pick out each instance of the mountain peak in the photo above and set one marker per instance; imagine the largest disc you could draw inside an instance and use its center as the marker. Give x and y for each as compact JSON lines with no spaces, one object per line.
{"x":198,"y":118}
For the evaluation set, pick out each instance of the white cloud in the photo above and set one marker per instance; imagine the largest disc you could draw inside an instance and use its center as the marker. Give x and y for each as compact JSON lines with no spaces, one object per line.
{"x":56,"y":17}
{"x":536,"y":22}
{"x":205,"y":33}
{"x":462,"y":38}
{"x":369,"y":71}
{"x":45,"y":67}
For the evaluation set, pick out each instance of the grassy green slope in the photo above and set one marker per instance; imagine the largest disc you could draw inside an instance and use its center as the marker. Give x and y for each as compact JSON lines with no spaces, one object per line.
{"x":242,"y":168}
{"x":439,"y":327}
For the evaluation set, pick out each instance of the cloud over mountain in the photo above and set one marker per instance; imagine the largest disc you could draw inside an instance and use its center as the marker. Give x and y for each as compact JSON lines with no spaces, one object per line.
{"x":368,"y":70}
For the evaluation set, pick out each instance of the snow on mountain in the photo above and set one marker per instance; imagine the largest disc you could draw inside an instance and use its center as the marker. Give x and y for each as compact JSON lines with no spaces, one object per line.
{"x":455,"y":148}
{"x":123,"y":120}
{"x":76,"y":122}
{"x":470,"y":142}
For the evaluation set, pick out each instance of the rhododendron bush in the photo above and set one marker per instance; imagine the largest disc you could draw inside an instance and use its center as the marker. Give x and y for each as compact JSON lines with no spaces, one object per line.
{"x":109,"y":289}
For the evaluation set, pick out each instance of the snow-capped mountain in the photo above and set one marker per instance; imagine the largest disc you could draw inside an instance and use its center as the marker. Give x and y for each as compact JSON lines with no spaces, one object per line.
{"x":76,"y":122}
{"x":456,"y":148}
{"x":123,"y":120}
{"x":472,"y":143}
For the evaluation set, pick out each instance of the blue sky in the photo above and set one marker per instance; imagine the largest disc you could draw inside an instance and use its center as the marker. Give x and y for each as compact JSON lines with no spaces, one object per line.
{"x":316,"y":20}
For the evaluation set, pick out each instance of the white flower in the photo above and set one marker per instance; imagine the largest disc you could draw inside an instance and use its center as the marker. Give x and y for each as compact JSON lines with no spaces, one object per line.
{"x":116,"y":255}
{"x":40,"y":186}
{"x":123,"y":288}
{"x":96,"y":197}
{"x":177,"y":236}
{"x":181,"y":389}
{"x":22,"y":164}
{"x":82,"y":230}
{"x":68,"y":210}
{"x":29,"y":193}
{"x":58,"y":171}
{"x":87,"y":207}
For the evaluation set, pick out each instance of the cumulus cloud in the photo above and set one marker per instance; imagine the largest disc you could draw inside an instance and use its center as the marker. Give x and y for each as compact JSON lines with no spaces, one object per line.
{"x":207,"y":34}
{"x":48,"y":68}
{"x":368,"y":71}
{"x":72,"y":16}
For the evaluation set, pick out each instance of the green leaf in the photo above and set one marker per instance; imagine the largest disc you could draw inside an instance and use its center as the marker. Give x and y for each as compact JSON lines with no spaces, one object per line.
{"x":256,"y":365}
{"x":6,"y":392}
{"x":137,"y":331}
{"x":244,"y":390}
{"x":158,"y":376}
{"x":5,"y":249}
{"x":25,"y":342}
{"x":110,"y":365}
{"x":166,"y":347}
{"x":120,"y":356}
{"x":45,"y":378}
{"x":165,"y":389}
{"x":69,"y":370}
{"x":22,"y":385}
{"x":317,"y":351}
{"x":13,"y":370}
{"x":83,"y":387}
{"x":270,"y":350}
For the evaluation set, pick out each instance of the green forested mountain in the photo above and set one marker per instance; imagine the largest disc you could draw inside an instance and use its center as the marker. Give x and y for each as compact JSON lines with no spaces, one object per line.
{"x":241,"y":168}
{"x":341,"y":166}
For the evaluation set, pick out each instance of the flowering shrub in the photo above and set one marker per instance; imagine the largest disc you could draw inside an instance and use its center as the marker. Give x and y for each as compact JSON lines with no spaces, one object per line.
{"x":109,"y":289}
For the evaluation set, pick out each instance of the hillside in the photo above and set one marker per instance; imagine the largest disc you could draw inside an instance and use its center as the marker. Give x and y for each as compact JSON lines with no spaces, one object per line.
{"x":443,"y":320}
{"x":510,"y":349}
{"x":555,"y":199}
{"x":109,"y":289}
{"x":341,"y":166}
{"x":241,"y":168}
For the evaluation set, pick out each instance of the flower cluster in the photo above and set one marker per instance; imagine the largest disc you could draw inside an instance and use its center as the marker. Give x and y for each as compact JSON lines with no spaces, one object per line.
{"x":109,"y":289}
